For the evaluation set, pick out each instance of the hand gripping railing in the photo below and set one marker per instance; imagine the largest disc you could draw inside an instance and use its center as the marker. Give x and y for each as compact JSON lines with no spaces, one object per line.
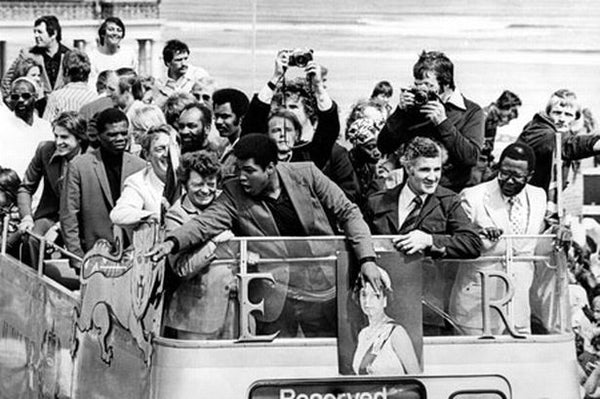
{"x":42,"y":248}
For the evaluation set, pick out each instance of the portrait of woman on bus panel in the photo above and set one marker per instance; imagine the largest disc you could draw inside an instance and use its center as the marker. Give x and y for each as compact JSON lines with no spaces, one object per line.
{"x":383,"y":347}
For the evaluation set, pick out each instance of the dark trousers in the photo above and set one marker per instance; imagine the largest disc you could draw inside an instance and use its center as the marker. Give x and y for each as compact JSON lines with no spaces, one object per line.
{"x":315,"y":319}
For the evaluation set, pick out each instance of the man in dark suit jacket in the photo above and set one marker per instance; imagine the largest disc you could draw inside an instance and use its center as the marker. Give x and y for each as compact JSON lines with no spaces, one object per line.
{"x":283,"y":199}
{"x":93,"y":184}
{"x":50,"y":165}
{"x":429,"y":220}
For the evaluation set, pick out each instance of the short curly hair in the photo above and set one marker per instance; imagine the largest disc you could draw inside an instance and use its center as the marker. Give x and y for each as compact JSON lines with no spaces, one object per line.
{"x":203,"y":162}
{"x":422,"y":147}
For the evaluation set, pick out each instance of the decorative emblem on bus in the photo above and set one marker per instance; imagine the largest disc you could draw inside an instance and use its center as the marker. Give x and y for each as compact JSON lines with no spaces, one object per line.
{"x":123,"y":285}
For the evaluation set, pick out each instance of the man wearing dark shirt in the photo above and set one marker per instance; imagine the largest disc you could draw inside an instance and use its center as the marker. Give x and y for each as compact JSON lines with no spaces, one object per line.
{"x":48,"y":52}
{"x":277,"y":199}
{"x":436,"y":109}
{"x":93,"y":184}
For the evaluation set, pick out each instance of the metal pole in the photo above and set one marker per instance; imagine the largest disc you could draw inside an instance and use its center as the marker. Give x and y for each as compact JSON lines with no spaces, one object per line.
{"x":5,"y":232}
{"x":559,"y":182}
{"x":254,"y":8}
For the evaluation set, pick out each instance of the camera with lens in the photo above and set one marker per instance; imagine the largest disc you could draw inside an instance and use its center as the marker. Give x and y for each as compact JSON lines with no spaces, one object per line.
{"x":422,"y":97}
{"x":300,"y":58}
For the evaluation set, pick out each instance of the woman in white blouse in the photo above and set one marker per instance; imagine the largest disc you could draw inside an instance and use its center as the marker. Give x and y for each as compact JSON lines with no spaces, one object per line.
{"x":142,"y":193}
{"x":108,"y":54}
{"x":384,"y":347}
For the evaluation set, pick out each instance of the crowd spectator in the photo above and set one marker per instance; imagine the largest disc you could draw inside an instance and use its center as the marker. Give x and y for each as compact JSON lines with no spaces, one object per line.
{"x":436,"y":108}
{"x":49,"y":165}
{"x":505,"y":205}
{"x":193,"y":126}
{"x":230,"y":109}
{"x":76,"y":92}
{"x":383,"y":91}
{"x":364,"y":123}
{"x":198,"y":308}
{"x":141,"y":197}
{"x":32,"y":69}
{"x":108,"y":55}
{"x":24,"y":130}
{"x":540,"y":133}
{"x":9,"y":185}
{"x":181,"y":75}
{"x":426,"y":218}
{"x":173,"y":106}
{"x":48,"y":52}
{"x":93,"y":185}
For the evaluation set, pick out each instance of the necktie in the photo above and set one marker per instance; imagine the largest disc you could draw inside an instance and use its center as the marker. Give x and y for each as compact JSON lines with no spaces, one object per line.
{"x":411,"y":220}
{"x":516,"y":216}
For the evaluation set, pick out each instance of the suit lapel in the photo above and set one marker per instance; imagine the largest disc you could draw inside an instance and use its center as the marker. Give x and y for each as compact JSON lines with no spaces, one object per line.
{"x":102,"y":178}
{"x":496,"y":207}
{"x":297,"y":192}
{"x":389,"y":208}
{"x":431,"y":203}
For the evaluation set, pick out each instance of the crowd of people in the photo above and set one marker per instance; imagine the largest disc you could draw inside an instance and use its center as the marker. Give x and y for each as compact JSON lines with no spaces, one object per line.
{"x":114,"y":148}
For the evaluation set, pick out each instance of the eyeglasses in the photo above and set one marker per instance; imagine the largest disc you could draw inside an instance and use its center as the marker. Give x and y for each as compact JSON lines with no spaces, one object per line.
{"x":506,"y":175}
{"x":25,"y":96}
{"x":202,"y":97}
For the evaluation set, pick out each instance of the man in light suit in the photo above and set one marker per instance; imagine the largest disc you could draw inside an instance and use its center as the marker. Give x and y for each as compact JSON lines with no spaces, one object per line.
{"x":505,"y":205}
{"x":93,"y":184}
{"x":283,"y":199}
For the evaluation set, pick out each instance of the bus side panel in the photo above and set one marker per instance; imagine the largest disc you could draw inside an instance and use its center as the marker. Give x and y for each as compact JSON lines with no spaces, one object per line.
{"x":36,"y":324}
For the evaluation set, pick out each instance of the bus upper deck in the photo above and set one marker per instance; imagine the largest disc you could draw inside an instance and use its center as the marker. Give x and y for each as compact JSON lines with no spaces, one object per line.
{"x":220,"y":333}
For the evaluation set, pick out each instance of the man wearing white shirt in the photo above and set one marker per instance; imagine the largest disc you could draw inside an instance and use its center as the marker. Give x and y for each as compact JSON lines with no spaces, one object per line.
{"x":23,"y":130}
{"x":181,"y":75}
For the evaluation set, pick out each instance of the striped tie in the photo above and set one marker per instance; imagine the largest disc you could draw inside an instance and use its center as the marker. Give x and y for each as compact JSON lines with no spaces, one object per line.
{"x":411,"y":220}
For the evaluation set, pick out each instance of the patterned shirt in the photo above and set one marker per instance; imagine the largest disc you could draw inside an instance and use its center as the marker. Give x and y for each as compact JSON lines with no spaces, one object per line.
{"x":69,"y":98}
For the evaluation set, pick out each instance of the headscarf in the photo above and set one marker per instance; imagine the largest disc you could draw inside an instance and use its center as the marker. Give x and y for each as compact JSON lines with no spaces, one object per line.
{"x":361,"y":131}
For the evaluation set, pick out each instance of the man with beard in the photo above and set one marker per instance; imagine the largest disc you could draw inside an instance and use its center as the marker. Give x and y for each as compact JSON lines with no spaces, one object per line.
{"x":93,"y":184}
{"x":505,"y":205}
{"x":193,"y":126}
{"x":561,"y":112}
{"x":48,"y":52}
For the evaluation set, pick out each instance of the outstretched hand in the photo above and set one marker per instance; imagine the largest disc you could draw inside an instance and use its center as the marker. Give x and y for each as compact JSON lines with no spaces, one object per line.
{"x":159,"y":251}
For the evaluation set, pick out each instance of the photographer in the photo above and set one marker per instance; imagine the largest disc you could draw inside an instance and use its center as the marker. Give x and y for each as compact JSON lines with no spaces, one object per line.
{"x":317,"y":113}
{"x":435,"y":108}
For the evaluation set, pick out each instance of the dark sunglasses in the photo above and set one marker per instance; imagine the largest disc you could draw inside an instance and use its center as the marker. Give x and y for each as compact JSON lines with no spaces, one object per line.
{"x":203,"y":97}
{"x":24,"y":96}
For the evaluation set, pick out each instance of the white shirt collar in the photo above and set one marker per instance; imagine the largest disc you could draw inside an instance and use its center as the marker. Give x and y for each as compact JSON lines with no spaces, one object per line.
{"x":457,"y":99}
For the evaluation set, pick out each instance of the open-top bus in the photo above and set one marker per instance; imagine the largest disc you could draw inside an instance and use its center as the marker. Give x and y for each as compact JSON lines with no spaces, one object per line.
{"x":104,"y":340}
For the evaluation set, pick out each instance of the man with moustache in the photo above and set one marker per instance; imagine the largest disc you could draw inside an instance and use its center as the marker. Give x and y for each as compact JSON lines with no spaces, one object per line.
{"x":193,"y":126}
{"x":181,"y":75}
{"x":48,"y":52}
{"x":230,"y":108}
{"x":505,"y":205}
{"x":272,"y":198}
{"x":93,"y":184}
{"x":428,"y":219}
